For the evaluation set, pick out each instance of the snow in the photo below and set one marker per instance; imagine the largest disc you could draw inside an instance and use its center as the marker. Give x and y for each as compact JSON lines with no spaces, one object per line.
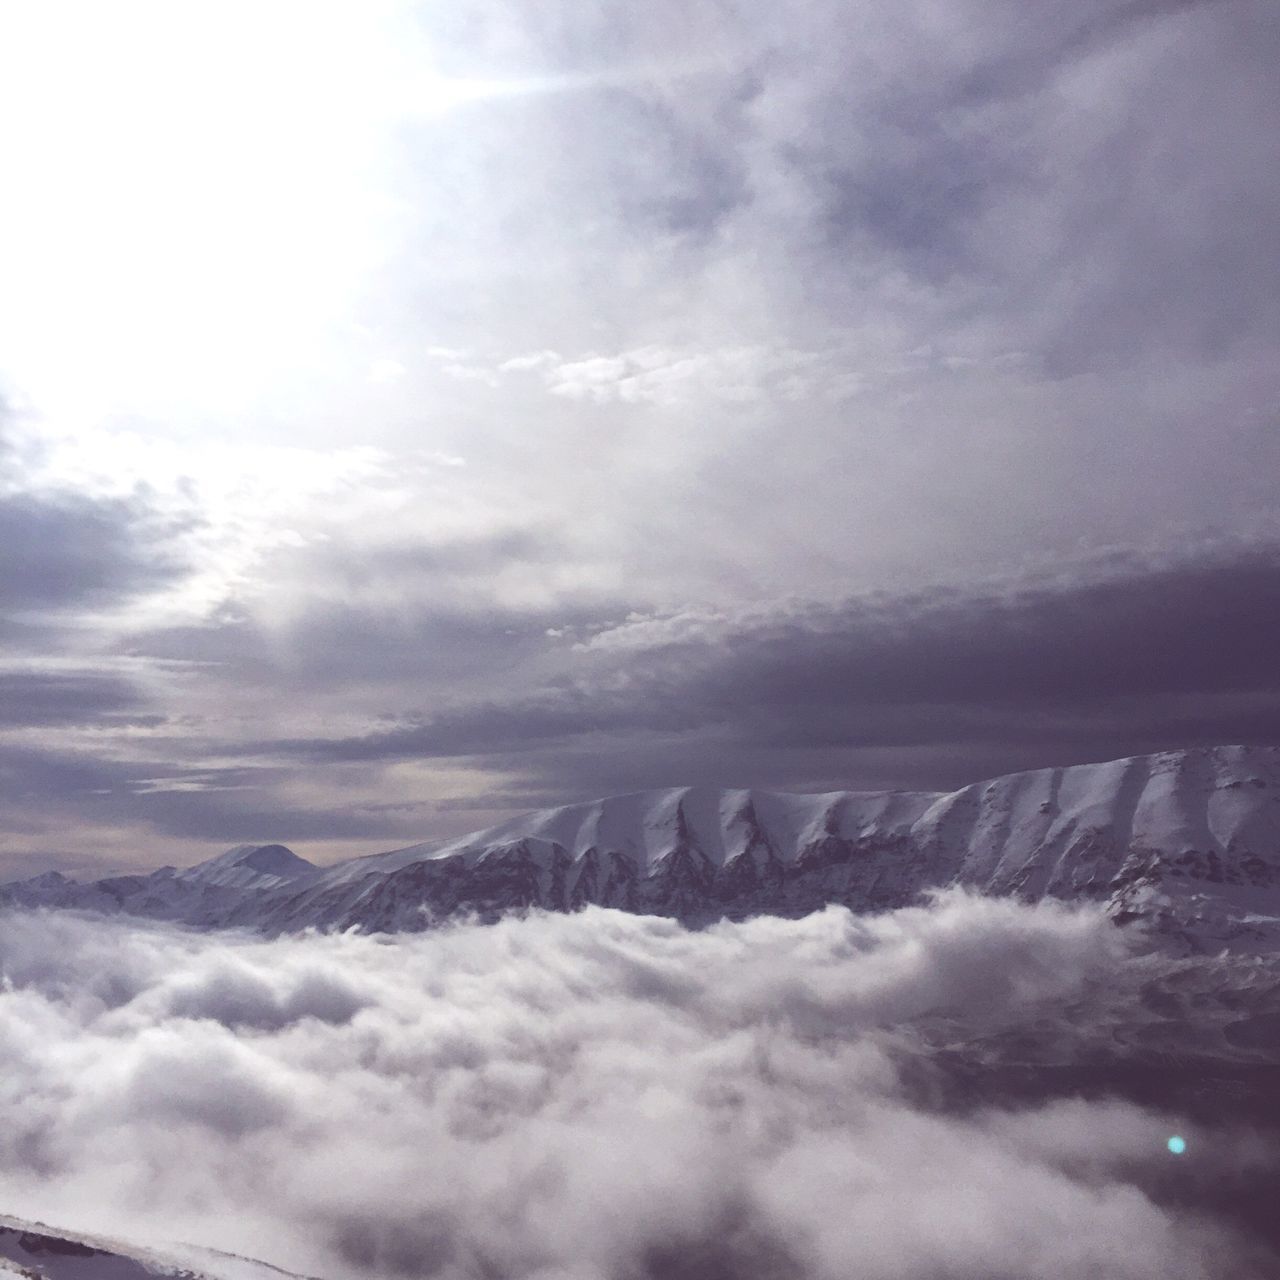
{"x":1066,"y":831}
{"x":1190,"y":840}
{"x":34,"y":1249}
{"x":646,"y":826}
{"x":251,"y":866}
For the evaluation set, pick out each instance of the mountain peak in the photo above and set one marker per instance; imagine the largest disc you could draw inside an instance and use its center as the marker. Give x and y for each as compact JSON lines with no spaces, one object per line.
{"x":251,"y":866}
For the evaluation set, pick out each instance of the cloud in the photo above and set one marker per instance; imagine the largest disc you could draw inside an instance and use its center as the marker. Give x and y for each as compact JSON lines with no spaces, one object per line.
{"x":1015,"y":161}
{"x":671,"y":378}
{"x":65,"y":550}
{"x":66,"y":798}
{"x":398,"y":608}
{"x":615,"y":1096}
{"x":1108,"y":658}
{"x":70,"y":698}
{"x":819,"y":309}
{"x":409,"y":714}
{"x":71,"y":557}
{"x":989,"y":177}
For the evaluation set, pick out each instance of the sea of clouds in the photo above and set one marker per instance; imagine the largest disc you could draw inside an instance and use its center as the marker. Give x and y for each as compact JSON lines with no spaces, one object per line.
{"x":970,"y":1088}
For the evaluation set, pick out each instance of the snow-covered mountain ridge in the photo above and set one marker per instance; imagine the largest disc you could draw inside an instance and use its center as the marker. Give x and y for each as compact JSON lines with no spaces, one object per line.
{"x":35,"y":1251}
{"x":1188,"y":840}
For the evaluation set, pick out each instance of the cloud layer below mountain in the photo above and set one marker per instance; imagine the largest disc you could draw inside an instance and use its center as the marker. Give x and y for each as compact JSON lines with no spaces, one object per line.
{"x":605,"y":1095}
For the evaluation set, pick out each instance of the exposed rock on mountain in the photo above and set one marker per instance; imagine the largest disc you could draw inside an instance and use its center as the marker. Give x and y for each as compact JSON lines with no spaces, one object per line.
{"x":1188,"y":841}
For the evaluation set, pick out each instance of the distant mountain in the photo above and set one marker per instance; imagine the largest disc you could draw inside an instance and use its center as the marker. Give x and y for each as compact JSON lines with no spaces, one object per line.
{"x":252,"y":866}
{"x":1188,"y":841}
{"x":199,"y":895}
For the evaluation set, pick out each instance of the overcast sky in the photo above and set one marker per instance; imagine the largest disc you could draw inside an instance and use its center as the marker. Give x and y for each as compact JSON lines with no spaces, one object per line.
{"x":410,"y":413}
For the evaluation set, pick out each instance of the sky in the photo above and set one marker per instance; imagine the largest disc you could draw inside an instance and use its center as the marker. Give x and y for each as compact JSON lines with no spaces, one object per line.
{"x":411,"y":413}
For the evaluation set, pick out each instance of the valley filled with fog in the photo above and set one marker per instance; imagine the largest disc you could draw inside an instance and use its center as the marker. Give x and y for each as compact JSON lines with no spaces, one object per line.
{"x":969,"y":1088}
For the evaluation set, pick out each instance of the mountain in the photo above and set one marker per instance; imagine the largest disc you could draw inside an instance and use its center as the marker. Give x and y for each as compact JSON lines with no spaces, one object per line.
{"x":202,"y":894}
{"x":1188,"y":841}
{"x":252,"y":866}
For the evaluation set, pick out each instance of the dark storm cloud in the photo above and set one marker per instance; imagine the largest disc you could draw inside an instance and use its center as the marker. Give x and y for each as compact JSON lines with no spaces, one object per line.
{"x":556,"y":715}
{"x":1114,"y":657}
{"x":1196,"y":627}
{"x":73,"y":698}
{"x":62,"y":551}
{"x":196,"y":802}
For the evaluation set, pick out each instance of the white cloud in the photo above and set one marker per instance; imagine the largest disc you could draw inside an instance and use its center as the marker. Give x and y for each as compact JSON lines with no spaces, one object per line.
{"x":672,"y":377}
{"x":534,"y":360}
{"x":470,"y":373}
{"x":599,"y":1095}
{"x":386,"y":370}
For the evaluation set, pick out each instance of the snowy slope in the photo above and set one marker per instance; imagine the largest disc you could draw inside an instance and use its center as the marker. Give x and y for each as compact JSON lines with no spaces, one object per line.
{"x":648,"y":826}
{"x":198,"y":894}
{"x":1189,"y":840}
{"x":249,"y":866}
{"x":35,"y":1251}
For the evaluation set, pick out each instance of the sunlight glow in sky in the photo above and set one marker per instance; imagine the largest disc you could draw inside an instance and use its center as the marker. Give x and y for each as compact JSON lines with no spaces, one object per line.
{"x":204,"y":191}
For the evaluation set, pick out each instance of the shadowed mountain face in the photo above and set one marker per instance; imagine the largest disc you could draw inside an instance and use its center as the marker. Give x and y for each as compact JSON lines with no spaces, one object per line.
{"x":1186,"y":841}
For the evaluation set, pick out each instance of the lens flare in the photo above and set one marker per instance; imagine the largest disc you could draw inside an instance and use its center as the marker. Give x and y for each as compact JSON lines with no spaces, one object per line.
{"x":1177,"y":1144}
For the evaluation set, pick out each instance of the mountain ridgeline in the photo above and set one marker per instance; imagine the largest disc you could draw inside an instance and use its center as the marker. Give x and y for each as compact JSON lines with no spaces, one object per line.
{"x":1188,"y":841}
